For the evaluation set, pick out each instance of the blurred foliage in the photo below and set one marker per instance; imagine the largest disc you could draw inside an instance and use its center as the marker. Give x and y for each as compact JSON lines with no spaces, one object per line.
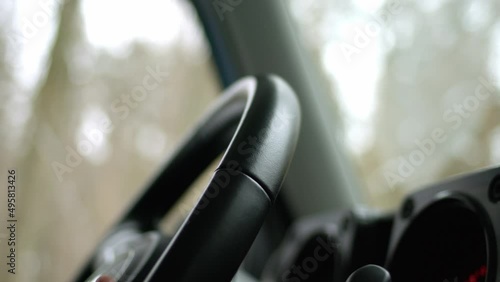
{"x":426,"y":58}
{"x":63,"y":220}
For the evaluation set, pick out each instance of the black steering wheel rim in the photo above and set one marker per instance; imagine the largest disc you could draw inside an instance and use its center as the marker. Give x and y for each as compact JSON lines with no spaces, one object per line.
{"x":259,"y":117}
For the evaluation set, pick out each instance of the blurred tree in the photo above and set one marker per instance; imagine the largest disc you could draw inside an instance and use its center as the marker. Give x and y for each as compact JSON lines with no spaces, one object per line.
{"x":434,"y":62}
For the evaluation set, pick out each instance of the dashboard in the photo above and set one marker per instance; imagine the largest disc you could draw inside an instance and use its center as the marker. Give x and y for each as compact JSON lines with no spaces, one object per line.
{"x":446,"y":242}
{"x":448,"y":232}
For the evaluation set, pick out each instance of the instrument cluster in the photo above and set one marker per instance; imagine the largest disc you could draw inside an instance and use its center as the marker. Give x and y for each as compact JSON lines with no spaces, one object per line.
{"x":448,"y":232}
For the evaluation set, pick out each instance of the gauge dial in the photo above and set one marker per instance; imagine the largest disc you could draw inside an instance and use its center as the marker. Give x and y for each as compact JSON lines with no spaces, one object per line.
{"x":445,"y":242}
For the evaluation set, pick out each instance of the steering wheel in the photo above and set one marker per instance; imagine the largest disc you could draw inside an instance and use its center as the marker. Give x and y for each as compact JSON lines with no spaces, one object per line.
{"x":257,"y":119}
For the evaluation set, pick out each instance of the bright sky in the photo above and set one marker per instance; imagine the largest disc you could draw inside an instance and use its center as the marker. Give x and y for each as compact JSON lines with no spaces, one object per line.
{"x":110,"y":24}
{"x":114,"y":23}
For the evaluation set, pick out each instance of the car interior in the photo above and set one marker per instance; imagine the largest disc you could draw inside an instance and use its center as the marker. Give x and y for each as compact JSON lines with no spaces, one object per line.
{"x":344,"y":142}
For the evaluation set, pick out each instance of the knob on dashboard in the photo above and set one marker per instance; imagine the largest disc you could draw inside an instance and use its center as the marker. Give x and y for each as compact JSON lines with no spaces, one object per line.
{"x":370,"y":273}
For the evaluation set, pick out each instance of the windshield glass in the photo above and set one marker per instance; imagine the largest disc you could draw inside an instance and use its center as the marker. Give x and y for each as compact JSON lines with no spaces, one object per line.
{"x":417,"y":86}
{"x":95,"y":95}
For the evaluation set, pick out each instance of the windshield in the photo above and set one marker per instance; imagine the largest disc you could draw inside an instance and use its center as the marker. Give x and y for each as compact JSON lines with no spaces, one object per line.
{"x":93,"y":103}
{"x":416,"y":83}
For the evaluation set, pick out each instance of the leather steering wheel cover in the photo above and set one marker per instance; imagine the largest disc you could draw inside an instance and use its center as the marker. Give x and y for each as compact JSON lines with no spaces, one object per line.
{"x":243,"y":188}
{"x":262,"y":107}
{"x":264,"y":142}
{"x":259,"y":117}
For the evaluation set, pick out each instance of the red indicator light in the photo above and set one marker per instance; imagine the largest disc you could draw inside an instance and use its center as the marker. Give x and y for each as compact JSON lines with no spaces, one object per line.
{"x":482,"y":270}
{"x":478,"y":275}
